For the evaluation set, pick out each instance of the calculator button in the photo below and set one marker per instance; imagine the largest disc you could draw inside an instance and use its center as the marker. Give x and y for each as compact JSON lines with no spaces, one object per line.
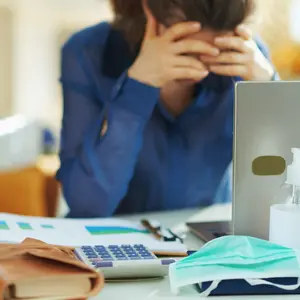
{"x":102,"y":252}
{"x":105,"y":254}
{"x":122,"y":258}
{"x":126,"y":247}
{"x":143,"y":251}
{"x":139,"y":247}
{"x":95,"y":260}
{"x":120,"y":255}
{"x":113,"y":247}
{"x":104,"y":264}
{"x":147,"y":255}
{"x":117,"y":251}
{"x":129,"y":249}
{"x":99,"y":247}
{"x":87,"y":248}
{"x":106,"y":257}
{"x":88,"y":251}
{"x":92,"y":256}
{"x":133,"y":255}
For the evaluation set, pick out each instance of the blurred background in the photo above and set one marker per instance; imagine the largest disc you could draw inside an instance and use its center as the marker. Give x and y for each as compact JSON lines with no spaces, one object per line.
{"x":31,"y":34}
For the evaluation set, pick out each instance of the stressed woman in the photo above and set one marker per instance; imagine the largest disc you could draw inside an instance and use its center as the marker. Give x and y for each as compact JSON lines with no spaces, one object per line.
{"x":148,"y":105}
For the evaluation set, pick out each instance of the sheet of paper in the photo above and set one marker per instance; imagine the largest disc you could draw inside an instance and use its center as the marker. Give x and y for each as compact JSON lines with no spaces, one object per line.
{"x":79,"y":232}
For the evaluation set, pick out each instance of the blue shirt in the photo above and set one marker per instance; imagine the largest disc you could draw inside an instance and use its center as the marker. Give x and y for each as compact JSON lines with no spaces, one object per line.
{"x":147,"y":160}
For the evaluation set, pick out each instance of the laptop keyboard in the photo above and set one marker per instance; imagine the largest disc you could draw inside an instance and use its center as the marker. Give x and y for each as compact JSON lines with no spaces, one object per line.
{"x":220,"y":234}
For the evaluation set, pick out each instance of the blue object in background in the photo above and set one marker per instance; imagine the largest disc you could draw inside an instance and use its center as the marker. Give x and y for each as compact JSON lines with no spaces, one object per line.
{"x":49,"y":141}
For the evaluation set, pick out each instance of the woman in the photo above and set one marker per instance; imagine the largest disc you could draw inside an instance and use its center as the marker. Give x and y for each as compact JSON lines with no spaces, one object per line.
{"x":148,"y":109}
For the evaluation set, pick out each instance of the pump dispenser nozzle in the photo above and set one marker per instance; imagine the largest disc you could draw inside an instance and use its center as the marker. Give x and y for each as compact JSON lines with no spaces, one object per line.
{"x":285,"y":217}
{"x":293,"y":176}
{"x":293,"y":170}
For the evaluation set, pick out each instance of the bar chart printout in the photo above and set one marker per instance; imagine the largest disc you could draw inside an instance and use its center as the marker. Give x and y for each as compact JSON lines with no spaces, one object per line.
{"x":3,"y":225}
{"x":47,"y":226}
{"x":105,"y":230}
{"x":24,"y":226}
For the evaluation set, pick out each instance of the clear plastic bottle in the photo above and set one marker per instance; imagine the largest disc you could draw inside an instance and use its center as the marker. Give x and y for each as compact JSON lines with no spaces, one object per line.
{"x":293,"y":179}
{"x":285,"y":217}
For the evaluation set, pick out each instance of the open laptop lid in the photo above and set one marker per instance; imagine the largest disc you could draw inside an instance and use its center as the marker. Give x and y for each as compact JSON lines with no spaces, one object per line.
{"x":267,"y":126}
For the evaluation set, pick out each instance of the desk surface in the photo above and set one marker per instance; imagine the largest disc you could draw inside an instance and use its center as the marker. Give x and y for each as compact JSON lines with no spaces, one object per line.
{"x":159,"y":289}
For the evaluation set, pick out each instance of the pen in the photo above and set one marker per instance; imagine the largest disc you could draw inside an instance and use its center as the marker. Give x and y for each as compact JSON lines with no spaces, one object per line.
{"x":176,"y":236}
{"x":153,"y":230}
{"x":157,"y":233}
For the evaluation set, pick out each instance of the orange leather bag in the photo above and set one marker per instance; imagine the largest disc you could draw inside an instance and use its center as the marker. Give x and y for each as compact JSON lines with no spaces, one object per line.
{"x":35,"y":270}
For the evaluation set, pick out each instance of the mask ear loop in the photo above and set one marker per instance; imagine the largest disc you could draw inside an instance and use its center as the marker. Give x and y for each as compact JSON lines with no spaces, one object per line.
{"x":254,"y":282}
{"x":293,"y":287}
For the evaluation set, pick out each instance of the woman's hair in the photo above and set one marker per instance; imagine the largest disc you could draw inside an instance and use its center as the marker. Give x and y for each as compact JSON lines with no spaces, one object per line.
{"x":219,"y":15}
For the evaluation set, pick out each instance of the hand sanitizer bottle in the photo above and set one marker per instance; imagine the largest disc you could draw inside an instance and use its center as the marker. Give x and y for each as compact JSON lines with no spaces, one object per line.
{"x":285,"y":218}
{"x":293,"y":177}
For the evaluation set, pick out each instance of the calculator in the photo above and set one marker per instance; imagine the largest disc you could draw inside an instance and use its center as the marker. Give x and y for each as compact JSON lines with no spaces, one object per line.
{"x":124,"y":261}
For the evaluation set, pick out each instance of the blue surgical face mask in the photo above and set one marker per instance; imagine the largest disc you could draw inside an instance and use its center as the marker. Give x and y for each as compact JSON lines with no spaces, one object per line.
{"x":236,"y":257}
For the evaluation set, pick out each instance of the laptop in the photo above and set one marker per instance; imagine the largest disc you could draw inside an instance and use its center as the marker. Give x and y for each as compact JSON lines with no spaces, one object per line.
{"x":266,"y":128}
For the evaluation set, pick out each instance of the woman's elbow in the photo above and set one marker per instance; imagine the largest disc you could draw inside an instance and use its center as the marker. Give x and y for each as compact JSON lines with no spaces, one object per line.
{"x":84,"y":195}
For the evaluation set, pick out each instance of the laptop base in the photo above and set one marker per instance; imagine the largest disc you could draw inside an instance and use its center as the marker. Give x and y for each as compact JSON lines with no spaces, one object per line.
{"x":208,"y":231}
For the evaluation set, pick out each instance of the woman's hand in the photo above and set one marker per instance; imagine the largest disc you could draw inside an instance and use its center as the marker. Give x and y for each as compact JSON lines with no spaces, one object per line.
{"x":240,"y":57}
{"x":162,"y":57}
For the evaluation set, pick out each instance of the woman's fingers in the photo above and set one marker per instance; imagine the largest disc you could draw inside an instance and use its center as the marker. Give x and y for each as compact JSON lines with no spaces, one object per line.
{"x":244,"y":32}
{"x":229,"y":70}
{"x":181,"y":30}
{"x":225,"y":58}
{"x":188,"y":74}
{"x":189,"y":62}
{"x":233,"y":43}
{"x":194,"y":47}
{"x":151,"y":28}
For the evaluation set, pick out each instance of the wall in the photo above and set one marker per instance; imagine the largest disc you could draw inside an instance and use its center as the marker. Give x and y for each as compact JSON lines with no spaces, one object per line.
{"x":31,"y":85}
{"x":6,"y":88}
{"x":37,"y":26}
{"x":275,"y":25}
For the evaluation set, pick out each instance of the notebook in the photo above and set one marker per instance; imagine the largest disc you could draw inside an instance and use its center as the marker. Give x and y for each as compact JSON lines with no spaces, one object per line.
{"x":81,"y":232}
{"x":73,"y":286}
